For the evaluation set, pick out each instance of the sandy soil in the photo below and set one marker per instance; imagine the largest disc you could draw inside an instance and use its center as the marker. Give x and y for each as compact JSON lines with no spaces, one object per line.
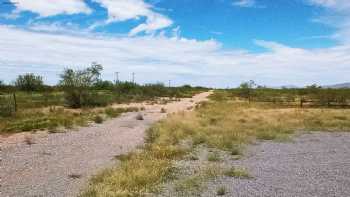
{"x":60,"y":164}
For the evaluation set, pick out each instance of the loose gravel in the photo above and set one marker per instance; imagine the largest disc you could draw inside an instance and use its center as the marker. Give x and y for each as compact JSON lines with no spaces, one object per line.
{"x":60,"y":164}
{"x":313,"y":165}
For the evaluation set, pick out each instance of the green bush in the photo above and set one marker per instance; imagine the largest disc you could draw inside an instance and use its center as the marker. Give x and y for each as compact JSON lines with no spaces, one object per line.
{"x":77,"y":85}
{"x":29,"y":82}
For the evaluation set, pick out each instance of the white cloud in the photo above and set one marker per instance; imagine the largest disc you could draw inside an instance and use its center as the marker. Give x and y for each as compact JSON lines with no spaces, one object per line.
{"x":333,"y":4}
{"x":161,"y":58}
{"x":46,"y":8}
{"x":244,"y":3}
{"x":338,"y":18}
{"x":123,"y":10}
{"x":56,"y":27}
{"x":154,"y":22}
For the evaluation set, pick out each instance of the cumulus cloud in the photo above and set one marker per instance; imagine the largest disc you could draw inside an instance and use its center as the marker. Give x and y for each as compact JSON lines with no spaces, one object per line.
{"x":160,"y":58}
{"x":118,"y":10}
{"x":123,"y":10}
{"x":46,"y":8}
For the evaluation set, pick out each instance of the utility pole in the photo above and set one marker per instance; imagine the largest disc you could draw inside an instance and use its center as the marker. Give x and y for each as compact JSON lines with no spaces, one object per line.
{"x":169,"y":83}
{"x":116,"y":77}
{"x":133,"y":77}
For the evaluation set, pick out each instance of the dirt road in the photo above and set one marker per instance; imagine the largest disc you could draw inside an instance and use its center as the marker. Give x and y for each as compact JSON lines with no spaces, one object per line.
{"x":61,"y":164}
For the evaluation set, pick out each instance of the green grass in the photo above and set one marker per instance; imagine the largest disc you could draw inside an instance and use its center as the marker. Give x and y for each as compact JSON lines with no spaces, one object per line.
{"x":237,"y":173}
{"x":120,"y":93}
{"x":214,"y":157}
{"x":56,"y":118}
{"x":37,"y":120}
{"x":31,"y":106}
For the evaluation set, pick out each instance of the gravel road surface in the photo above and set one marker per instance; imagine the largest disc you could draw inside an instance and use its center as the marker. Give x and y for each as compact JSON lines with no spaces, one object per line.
{"x":313,"y":165}
{"x":61,"y":164}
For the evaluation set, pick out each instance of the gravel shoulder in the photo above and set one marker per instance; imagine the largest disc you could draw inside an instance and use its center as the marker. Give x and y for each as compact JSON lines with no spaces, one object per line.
{"x":61,"y":164}
{"x":316,"y":164}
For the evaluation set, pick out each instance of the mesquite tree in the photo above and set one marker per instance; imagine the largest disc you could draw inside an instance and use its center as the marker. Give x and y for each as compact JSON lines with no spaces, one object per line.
{"x":76,"y":84}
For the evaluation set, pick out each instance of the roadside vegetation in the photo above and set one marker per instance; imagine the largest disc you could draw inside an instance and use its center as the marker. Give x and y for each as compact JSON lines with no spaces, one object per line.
{"x":80,"y":97}
{"x":58,"y":119}
{"x":186,"y":150}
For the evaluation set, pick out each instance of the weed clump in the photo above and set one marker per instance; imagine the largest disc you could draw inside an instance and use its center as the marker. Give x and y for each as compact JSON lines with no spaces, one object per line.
{"x":28,"y":140}
{"x":75,"y":176}
{"x":237,"y":173}
{"x":139,"y":117}
{"x":214,"y":157}
{"x":163,"y":110}
{"x":236,"y":150}
{"x":98,"y":119}
{"x":221,"y":191}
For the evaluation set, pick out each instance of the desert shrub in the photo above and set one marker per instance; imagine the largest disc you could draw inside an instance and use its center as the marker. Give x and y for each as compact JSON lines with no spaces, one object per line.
{"x":163,"y":110}
{"x":93,"y":99}
{"x":104,"y":85}
{"x":139,"y":117}
{"x":221,"y":191}
{"x":76,"y":85}
{"x":29,"y":82}
{"x":236,"y":150}
{"x":113,"y":112}
{"x":98,"y":119}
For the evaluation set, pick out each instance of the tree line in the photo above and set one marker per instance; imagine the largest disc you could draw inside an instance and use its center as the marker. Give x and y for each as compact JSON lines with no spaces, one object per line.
{"x":85,"y":88}
{"x":312,"y":95}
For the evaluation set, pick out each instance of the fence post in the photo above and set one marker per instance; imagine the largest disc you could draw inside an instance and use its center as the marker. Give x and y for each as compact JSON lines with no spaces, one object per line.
{"x":15,"y":101}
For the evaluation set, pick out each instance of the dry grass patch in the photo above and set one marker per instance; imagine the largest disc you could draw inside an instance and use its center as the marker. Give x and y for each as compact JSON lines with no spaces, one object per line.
{"x":136,"y":176}
{"x":192,"y":185}
{"x":225,"y":125}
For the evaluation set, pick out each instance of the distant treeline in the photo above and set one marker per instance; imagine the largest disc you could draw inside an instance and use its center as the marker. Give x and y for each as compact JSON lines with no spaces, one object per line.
{"x":81,"y":88}
{"x":310,"y":96}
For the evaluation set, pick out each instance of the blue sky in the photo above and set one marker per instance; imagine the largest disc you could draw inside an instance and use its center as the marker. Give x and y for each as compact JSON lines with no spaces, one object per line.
{"x":216,"y":43}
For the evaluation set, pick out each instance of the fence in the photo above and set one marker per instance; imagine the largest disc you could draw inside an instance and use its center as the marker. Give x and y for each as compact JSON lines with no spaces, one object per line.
{"x":8,"y":105}
{"x":334,"y":98}
{"x":12,"y":102}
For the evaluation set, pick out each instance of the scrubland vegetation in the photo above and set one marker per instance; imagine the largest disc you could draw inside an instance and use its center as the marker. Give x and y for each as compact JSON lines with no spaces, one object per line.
{"x":223,"y":126}
{"x":29,"y":105}
{"x":226,"y":124}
